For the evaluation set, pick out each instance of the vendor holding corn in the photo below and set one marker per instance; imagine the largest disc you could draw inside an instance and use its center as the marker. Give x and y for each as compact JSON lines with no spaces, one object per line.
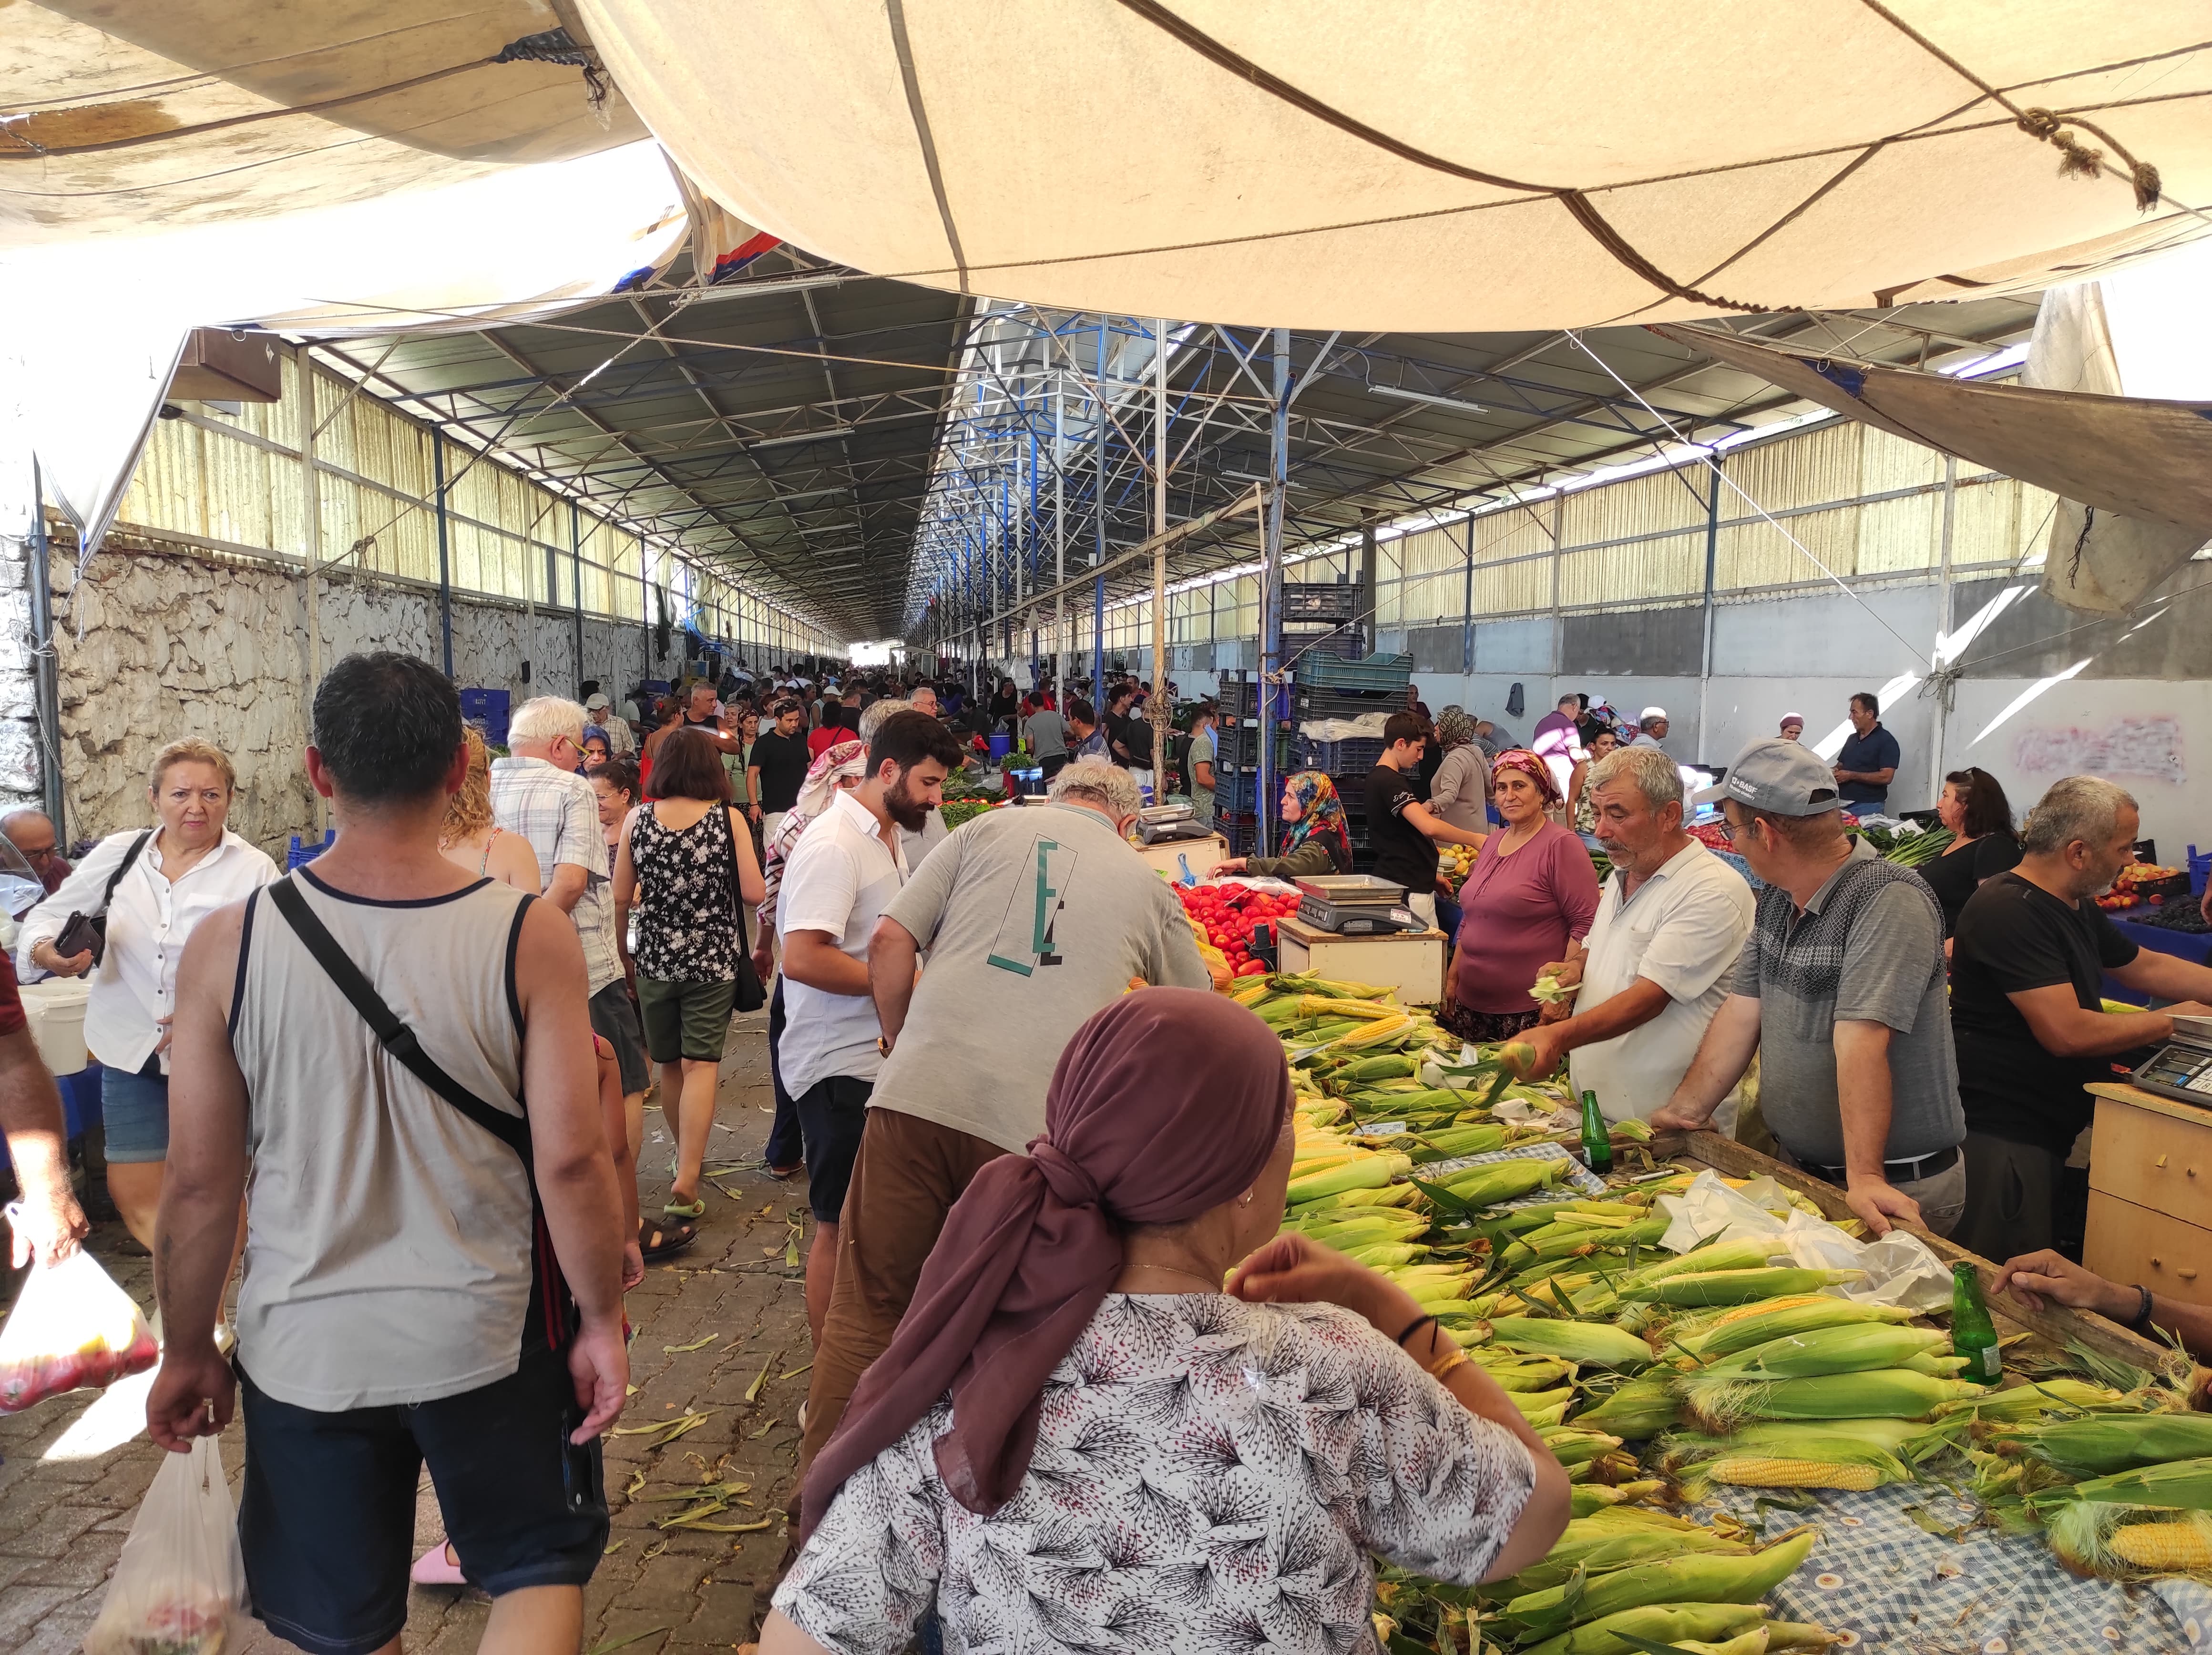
{"x":1669,"y":927}
{"x":1840,"y":991}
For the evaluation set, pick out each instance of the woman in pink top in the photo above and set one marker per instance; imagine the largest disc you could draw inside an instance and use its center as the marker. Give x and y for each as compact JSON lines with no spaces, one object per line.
{"x":1527,"y":899}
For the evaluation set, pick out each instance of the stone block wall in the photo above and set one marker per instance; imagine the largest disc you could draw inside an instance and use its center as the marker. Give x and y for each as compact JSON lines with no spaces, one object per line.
{"x":175,"y":645}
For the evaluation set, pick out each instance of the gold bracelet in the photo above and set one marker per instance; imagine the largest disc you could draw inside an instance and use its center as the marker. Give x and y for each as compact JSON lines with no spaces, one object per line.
{"x":1443,"y":1360}
{"x":1445,"y":1369}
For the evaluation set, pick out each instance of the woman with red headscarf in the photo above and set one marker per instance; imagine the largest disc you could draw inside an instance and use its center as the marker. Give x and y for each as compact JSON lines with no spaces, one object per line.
{"x":1072,"y":1365}
{"x":1529,"y":899}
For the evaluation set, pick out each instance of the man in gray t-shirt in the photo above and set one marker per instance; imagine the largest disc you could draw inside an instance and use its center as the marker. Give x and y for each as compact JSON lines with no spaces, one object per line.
{"x":1032,"y":919}
{"x":1841,"y":992}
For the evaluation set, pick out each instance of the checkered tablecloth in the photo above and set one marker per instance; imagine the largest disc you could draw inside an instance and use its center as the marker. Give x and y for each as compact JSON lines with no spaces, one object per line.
{"x":1886,"y":1582}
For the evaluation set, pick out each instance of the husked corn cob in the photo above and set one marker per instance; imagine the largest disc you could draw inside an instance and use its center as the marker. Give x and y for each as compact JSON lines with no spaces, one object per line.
{"x":1658,"y":1623}
{"x":1696,"y":1578}
{"x":1374,"y":1032}
{"x":1736,"y":1287}
{"x":1367,"y":1173}
{"x":1321,"y":1005}
{"x":1850,"y":1348}
{"x":1753,"y":1325}
{"x":1723,"y":1400}
{"x":1593,"y":1343}
{"x":2182,"y":1546}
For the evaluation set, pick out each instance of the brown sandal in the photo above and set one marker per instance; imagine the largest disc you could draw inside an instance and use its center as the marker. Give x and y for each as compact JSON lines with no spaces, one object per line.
{"x":659,"y":1241}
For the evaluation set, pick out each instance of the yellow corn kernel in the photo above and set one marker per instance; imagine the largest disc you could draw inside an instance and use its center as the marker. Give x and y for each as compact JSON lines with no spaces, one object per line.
{"x":1749,"y":1471}
{"x":2168,"y":1548}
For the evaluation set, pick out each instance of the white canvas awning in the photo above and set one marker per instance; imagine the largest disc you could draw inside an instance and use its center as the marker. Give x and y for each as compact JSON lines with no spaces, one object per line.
{"x":1434,"y":165}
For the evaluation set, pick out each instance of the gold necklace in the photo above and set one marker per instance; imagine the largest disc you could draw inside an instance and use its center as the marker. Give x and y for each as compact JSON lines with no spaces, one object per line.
{"x":1170,"y":1269}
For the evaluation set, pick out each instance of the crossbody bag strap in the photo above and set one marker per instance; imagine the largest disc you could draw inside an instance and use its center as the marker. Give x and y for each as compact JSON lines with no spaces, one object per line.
{"x":395,"y":1036}
{"x":131,"y":856}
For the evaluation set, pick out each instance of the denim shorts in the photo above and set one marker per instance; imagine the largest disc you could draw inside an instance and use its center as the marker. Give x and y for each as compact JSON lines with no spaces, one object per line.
{"x":136,"y":1110}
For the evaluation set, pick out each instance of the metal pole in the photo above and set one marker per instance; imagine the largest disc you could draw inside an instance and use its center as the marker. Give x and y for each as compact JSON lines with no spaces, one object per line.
{"x":1466,"y":610}
{"x":645,"y":613}
{"x":45,"y":682}
{"x":1705,"y":658}
{"x":1948,"y":683}
{"x":1059,"y":542}
{"x":1161,"y":710}
{"x":576,"y":592}
{"x":1271,"y":598}
{"x":1098,"y":510}
{"x":445,"y":561}
{"x":310,"y":502}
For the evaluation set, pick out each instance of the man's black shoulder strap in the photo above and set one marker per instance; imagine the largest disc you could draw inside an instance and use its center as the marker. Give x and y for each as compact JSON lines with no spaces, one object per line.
{"x":394,"y":1036}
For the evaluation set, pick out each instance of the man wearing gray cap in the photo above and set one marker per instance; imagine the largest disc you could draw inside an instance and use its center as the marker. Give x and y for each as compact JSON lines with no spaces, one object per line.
{"x":597,"y":710}
{"x":1840,"y":991}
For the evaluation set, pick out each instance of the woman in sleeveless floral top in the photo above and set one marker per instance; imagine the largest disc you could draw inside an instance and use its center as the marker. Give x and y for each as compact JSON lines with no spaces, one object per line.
{"x":685,"y":860}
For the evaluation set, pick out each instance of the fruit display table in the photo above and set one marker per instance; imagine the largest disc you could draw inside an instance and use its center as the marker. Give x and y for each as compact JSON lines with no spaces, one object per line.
{"x":1411,"y":963}
{"x":1169,"y":856}
{"x":2195,"y":947}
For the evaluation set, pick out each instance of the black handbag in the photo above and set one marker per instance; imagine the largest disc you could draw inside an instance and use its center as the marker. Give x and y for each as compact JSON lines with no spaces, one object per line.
{"x":87,"y":933}
{"x":750,"y":995}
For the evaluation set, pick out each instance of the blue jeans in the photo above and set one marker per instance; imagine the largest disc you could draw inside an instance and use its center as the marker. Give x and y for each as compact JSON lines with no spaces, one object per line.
{"x":136,"y":1107}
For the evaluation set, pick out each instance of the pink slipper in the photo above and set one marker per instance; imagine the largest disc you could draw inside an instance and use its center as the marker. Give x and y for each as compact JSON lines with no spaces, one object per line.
{"x":436,"y":1567}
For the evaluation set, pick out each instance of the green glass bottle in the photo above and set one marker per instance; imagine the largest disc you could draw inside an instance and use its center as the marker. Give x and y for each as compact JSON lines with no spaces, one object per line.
{"x":1973,"y":1335}
{"x":1597,"y":1143}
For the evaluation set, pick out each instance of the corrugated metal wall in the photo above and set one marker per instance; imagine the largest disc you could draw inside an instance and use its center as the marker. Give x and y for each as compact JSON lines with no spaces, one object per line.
{"x":235,"y":482}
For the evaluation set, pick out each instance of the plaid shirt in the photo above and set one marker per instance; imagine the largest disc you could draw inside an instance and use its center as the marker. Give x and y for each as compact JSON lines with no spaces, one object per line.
{"x":559,"y":814}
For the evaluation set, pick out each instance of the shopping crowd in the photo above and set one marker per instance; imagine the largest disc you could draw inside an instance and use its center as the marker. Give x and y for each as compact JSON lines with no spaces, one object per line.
{"x":407,"y":1081}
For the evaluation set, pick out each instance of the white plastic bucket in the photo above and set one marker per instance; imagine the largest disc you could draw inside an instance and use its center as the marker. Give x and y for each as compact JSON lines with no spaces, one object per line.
{"x":55,"y":1010}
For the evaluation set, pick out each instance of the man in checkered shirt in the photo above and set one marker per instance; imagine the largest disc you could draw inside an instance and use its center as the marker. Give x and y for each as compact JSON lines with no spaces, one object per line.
{"x":538,"y":794}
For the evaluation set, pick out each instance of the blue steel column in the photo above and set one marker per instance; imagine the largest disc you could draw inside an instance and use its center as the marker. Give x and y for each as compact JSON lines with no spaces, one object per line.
{"x":445,"y":567}
{"x":576,"y":592}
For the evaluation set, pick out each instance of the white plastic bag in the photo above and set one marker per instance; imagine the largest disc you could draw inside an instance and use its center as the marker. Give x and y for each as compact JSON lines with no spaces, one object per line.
{"x":71,"y":1326}
{"x":179,"y":1586}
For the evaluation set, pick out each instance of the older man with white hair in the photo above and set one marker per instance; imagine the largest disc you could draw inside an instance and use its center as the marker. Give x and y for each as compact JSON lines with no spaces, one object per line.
{"x":1650,"y":728}
{"x":1032,"y":919}
{"x":1669,"y":927}
{"x":2028,"y":958}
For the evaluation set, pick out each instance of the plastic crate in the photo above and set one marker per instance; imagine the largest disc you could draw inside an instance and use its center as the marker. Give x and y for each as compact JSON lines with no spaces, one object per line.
{"x":1353,"y":756}
{"x":2200,"y":871}
{"x":299,"y":855}
{"x":1237,"y":745}
{"x":1376,"y":673}
{"x":487,"y":709}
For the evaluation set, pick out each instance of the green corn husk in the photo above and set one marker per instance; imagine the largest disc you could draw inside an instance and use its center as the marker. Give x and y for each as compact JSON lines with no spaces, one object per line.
{"x":1591,"y":1343}
{"x":1752,"y":1642}
{"x":1572,"y":1445}
{"x":2179,"y":1485}
{"x":1850,"y":1348}
{"x":1380,"y":1255}
{"x":1748,"y":1326}
{"x":1638,"y":1410}
{"x":1751,"y":1253}
{"x":1736,"y":1287}
{"x":1586,"y":1239}
{"x":1444,"y":1143}
{"x":2129,"y":1542}
{"x":1712,"y":1578}
{"x":2028,"y":1402}
{"x":1658,"y":1623}
{"x":1723,"y":1402}
{"x":1503,"y":1181}
{"x":1796,"y":1634}
{"x":2105,"y":1443}
{"x":1587,"y":1498}
{"x":1368,"y":1172}
{"x":1600,"y":1544}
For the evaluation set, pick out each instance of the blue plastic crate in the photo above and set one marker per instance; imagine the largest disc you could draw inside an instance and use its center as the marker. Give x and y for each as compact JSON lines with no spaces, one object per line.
{"x":299,"y":855}
{"x":487,"y":709}
{"x":1353,"y":756}
{"x":2200,"y":871}
{"x":1377,"y":672}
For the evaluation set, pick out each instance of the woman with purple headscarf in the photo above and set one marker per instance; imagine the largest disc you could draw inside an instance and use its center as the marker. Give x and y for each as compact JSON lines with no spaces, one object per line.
{"x":1073,"y":1369}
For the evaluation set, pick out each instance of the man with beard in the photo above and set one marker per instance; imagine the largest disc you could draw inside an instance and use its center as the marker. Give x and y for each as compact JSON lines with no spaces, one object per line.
{"x":837,"y":882}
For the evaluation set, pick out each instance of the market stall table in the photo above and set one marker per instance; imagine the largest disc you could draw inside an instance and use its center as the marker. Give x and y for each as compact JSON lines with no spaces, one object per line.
{"x":1410,"y":962}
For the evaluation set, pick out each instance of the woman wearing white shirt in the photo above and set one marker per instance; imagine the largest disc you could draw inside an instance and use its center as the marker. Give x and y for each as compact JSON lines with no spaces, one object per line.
{"x":188,"y":866}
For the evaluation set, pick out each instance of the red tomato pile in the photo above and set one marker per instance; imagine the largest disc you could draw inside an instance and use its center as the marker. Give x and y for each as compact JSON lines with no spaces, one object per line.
{"x":1228,"y":913}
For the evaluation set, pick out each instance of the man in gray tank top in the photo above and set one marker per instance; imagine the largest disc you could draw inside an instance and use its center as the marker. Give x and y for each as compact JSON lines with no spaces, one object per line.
{"x":408,"y":1228}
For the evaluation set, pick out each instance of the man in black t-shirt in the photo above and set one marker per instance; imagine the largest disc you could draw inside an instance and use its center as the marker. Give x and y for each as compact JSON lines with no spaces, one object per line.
{"x":1401,"y":830}
{"x":2027,"y":963}
{"x":777,"y":768}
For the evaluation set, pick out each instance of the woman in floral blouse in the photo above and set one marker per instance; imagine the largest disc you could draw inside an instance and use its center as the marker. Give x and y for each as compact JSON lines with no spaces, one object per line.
{"x":685,"y":860}
{"x":1079,"y":1439}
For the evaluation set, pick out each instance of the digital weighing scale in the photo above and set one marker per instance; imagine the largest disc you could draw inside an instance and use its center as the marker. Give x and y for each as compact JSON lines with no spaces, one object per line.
{"x":1160,"y":823}
{"x":2183,"y":1068}
{"x":1356,"y":905}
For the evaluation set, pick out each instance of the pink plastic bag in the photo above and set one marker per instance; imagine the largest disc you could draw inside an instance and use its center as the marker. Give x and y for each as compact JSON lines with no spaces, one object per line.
{"x":71,"y":1326}
{"x":179,"y":1586}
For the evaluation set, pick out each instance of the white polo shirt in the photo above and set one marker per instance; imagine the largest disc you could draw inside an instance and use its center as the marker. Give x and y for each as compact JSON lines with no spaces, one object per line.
{"x":1683,"y":929}
{"x":839,"y":878}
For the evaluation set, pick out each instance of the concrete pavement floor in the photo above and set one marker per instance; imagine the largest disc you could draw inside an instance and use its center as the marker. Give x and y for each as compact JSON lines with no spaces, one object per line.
{"x":720,"y":1332}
